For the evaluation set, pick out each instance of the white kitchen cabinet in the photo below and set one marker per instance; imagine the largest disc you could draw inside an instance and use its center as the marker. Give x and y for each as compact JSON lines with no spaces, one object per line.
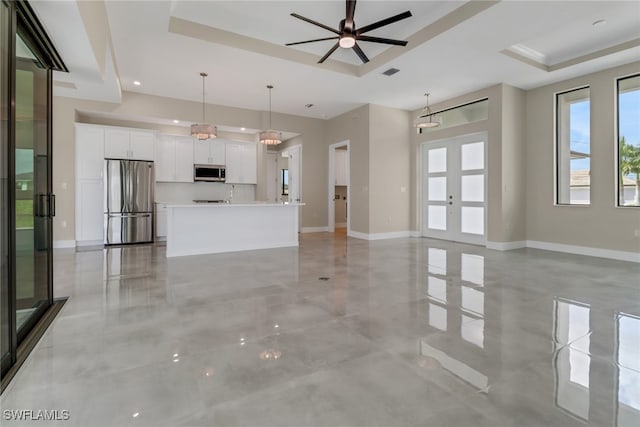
{"x":209,"y":152}
{"x":174,"y":159}
{"x":89,"y":152}
{"x":89,"y":183}
{"x":165,"y":159}
{"x":161,"y":220}
{"x":142,"y":145}
{"x":123,"y":143}
{"x":241,"y":163}
{"x":341,"y":164}
{"x":184,"y":159}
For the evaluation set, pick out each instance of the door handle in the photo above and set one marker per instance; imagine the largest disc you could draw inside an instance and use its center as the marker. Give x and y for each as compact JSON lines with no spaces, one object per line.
{"x":52,"y":205}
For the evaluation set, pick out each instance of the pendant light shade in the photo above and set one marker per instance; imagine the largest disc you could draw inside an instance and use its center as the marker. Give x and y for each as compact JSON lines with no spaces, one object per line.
{"x":427,"y":119}
{"x":270,"y":137}
{"x":202,"y":130}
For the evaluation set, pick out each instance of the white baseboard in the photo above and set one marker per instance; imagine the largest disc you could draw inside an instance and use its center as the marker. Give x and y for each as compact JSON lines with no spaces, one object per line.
{"x":416,"y":233}
{"x":379,"y":236}
{"x":89,"y":243}
{"x":585,"y":250}
{"x":341,"y":224}
{"x":506,"y":246}
{"x":314,"y":229}
{"x":62,"y":244}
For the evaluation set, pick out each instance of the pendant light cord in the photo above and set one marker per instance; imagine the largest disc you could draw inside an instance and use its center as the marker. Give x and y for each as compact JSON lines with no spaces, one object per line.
{"x":203,"y":77}
{"x":270,"y":87}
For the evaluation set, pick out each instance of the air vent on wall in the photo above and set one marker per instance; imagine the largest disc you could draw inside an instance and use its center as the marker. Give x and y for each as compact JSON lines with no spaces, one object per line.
{"x":390,"y":71}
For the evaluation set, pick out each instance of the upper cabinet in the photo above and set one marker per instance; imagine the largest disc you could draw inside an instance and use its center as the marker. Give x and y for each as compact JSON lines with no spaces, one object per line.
{"x":122,"y":143}
{"x":174,"y":158}
{"x":209,"y":152}
{"x":341,"y":167}
{"x":241,"y":163}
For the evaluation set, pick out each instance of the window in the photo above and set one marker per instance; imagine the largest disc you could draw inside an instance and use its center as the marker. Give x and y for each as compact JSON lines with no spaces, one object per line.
{"x":285,"y":181}
{"x":573,"y":147}
{"x":629,"y":141}
{"x":460,"y":115}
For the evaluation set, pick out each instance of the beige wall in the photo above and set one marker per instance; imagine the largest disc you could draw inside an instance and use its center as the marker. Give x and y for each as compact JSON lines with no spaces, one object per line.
{"x":389,"y":178}
{"x":513,"y":227}
{"x":352,"y":126}
{"x":601,"y":224}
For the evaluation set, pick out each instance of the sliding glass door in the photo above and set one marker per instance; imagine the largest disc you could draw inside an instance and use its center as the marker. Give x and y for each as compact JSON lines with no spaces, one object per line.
{"x":5,"y":258}
{"x":27,"y":60}
{"x":33,"y":210}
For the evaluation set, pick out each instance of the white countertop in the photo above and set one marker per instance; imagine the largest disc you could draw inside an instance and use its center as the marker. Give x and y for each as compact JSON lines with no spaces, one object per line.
{"x":229,"y":205}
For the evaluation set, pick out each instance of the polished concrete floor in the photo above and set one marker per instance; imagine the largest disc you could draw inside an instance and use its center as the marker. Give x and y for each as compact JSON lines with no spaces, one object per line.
{"x":339,"y":332}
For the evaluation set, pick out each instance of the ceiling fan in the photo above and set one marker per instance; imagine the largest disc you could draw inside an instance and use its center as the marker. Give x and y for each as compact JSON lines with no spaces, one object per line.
{"x":348,"y":35}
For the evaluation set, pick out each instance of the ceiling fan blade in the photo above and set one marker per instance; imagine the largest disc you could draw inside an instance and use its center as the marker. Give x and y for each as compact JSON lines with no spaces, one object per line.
{"x":382,"y":23}
{"x":311,"y":21}
{"x":382,"y":40}
{"x":360,"y":53}
{"x":326,"y":55}
{"x":311,"y":41}
{"x":351,"y":10}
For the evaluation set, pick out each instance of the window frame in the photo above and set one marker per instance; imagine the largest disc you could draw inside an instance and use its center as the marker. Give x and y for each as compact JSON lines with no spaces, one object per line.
{"x":616,"y":142}
{"x":556,"y":146}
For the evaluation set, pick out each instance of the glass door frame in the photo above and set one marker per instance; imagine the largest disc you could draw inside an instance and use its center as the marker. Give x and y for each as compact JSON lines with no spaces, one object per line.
{"x":453,"y":201}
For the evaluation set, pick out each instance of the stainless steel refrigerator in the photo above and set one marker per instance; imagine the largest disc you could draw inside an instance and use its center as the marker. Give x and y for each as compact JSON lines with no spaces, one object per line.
{"x":128,"y":201}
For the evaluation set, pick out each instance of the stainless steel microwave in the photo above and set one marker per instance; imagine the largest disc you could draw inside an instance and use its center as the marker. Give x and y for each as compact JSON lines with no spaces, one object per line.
{"x":211,"y":173}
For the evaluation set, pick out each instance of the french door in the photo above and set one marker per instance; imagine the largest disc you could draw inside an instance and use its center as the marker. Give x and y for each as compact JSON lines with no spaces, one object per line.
{"x":453,"y":189}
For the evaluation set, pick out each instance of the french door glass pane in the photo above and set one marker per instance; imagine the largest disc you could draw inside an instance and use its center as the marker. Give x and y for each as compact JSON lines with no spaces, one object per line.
{"x":472,"y":156}
{"x":472,"y":220}
{"x":438,"y":217}
{"x":437,"y":160}
{"x":438,"y":188}
{"x":472,"y":188}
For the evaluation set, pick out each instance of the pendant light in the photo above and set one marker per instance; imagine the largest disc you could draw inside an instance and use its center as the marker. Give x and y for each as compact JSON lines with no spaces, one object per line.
{"x":270,"y":137}
{"x":203,"y":131}
{"x":427,"y":119}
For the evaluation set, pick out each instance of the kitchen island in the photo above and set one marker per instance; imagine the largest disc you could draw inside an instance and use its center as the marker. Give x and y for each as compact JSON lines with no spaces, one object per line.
{"x":202,"y":228}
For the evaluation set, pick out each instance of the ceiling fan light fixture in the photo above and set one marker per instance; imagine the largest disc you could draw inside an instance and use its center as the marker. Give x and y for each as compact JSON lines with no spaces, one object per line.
{"x":203,"y":131}
{"x":347,"y":41}
{"x":427,"y":119}
{"x":270,"y":137}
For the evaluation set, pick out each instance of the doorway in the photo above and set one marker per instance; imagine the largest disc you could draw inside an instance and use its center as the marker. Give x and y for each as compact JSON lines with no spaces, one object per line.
{"x":454,"y":189}
{"x":339,"y":189}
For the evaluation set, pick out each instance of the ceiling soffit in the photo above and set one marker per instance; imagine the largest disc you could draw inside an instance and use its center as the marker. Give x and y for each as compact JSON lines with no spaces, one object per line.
{"x":210,"y":34}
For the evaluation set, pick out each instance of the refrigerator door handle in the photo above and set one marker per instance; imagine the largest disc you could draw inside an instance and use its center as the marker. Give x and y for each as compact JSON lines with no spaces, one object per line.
{"x":136,"y":215}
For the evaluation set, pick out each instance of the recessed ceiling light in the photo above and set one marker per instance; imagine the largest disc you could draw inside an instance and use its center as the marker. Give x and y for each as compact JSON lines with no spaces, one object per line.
{"x":599,"y":22}
{"x":137,"y":83}
{"x":176,"y":121}
{"x":243,"y":129}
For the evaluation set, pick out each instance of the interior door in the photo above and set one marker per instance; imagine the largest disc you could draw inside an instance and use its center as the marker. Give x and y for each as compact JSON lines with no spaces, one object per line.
{"x":453,"y":189}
